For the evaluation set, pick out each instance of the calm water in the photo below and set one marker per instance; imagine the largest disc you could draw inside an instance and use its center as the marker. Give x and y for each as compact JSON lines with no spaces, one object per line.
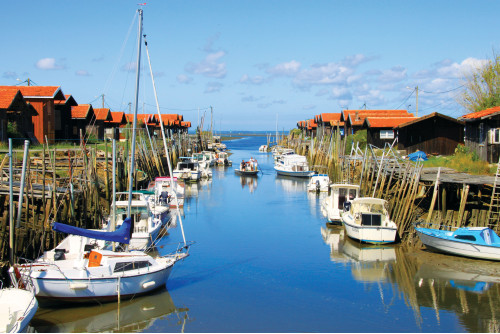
{"x":265,"y":261}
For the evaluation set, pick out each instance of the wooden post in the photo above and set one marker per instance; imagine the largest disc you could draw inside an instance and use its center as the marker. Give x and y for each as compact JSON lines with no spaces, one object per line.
{"x":434,"y":195}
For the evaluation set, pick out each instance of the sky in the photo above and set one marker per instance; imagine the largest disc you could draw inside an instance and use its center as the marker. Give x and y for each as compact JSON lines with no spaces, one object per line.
{"x":252,"y":65}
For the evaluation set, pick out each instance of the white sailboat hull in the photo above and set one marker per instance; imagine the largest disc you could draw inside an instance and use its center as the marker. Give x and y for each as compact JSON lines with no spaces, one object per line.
{"x":368,"y":234}
{"x":17,"y":308}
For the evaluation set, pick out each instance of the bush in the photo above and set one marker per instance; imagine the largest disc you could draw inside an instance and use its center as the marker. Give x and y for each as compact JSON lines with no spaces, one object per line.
{"x":359,"y":137}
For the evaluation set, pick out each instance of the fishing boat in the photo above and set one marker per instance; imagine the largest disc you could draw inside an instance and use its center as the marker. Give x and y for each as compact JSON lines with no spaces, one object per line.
{"x":248,"y":168}
{"x":223,"y":159}
{"x":17,"y":308}
{"x":80,"y":270}
{"x":366,"y":219}
{"x":475,"y":242}
{"x":205,"y":158}
{"x":332,"y":206}
{"x":318,"y":183}
{"x":293,"y":165}
{"x":149,"y":213}
{"x":162,"y":186}
{"x":187,"y":170}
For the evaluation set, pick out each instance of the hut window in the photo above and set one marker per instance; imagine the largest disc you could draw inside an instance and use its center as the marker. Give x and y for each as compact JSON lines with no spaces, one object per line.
{"x":386,"y":134}
{"x":495,"y":136}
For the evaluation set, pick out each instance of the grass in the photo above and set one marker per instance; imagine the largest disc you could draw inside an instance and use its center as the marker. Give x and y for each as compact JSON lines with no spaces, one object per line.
{"x":463,"y":161}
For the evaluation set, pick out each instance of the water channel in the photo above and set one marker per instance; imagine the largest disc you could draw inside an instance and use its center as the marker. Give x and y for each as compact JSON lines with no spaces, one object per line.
{"x":264,"y":260}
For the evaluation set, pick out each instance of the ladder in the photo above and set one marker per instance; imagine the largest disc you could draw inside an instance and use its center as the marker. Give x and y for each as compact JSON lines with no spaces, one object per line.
{"x":493,"y":216}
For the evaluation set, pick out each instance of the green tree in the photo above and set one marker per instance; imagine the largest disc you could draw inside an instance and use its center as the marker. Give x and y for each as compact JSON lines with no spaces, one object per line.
{"x":482,"y":87}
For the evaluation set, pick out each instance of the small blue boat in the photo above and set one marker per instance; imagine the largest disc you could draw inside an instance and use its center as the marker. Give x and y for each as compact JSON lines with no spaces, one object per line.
{"x":475,"y":242}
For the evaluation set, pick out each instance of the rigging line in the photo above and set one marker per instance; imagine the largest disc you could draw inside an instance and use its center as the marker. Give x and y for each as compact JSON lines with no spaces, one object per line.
{"x":444,"y":92}
{"x":120,"y":55}
{"x":406,"y":99}
{"x":176,"y":109}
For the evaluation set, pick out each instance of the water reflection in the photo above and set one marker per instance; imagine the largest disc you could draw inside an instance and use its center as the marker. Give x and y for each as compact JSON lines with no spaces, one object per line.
{"x":133,"y":315}
{"x":428,"y":281}
{"x":250,"y":182}
{"x":292,"y":184}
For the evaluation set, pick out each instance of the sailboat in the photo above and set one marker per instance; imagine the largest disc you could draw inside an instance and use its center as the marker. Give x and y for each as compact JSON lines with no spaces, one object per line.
{"x":86,"y":266}
{"x":18,"y":304}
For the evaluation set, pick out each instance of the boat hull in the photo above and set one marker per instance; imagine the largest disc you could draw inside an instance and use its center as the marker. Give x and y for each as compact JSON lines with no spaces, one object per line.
{"x":21,"y":305}
{"x":246,"y":172}
{"x":459,"y":248}
{"x":293,"y":173}
{"x":84,"y":285}
{"x":369,"y":234}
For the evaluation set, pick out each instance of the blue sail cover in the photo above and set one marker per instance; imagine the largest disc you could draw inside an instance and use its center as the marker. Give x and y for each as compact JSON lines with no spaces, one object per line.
{"x":122,"y":234}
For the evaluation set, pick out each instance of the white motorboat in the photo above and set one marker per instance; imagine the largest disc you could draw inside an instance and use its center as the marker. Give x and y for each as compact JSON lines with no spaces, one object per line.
{"x":263,"y":148}
{"x":79,"y":270}
{"x":187,"y":170}
{"x":162,"y":188}
{"x":318,"y":183}
{"x":149,"y":215}
{"x":332,"y":206}
{"x":476,"y":242}
{"x":17,"y":308}
{"x":293,"y":165}
{"x":366,"y":219}
{"x":223,"y":159}
{"x":205,"y":158}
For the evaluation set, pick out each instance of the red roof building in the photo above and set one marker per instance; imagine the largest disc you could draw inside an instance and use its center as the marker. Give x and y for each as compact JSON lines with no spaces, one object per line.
{"x":82,"y":117}
{"x":14,"y":109}
{"x":64,"y":122}
{"x":42,"y":98}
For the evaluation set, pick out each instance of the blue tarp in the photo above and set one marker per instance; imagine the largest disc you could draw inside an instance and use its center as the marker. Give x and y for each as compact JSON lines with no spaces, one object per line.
{"x":122,"y":234}
{"x":418,"y":156}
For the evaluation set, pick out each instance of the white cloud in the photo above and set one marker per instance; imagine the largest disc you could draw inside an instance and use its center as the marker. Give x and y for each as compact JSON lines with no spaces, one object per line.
{"x":9,"y":75}
{"x":184,"y":79}
{"x":285,"y":69}
{"x":48,"y":64}
{"x":210,"y":66}
{"x":213,"y":87}
{"x":82,"y":73}
{"x":257,"y":80}
{"x":395,"y":74}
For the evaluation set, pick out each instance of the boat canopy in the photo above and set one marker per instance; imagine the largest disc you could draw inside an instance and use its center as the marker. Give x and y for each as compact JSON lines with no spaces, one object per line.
{"x":122,"y":234}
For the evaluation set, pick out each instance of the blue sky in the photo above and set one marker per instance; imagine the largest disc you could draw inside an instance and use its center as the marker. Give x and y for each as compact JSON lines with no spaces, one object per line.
{"x":252,"y":61}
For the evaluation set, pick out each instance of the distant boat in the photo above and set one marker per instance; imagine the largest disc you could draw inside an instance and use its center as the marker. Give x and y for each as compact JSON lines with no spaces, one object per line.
{"x":476,"y":242}
{"x":318,"y":183}
{"x":332,"y":206}
{"x":248,"y":168}
{"x":223,"y":159}
{"x":367,"y":220}
{"x":187,"y":169}
{"x":162,"y":187}
{"x":293,"y":165}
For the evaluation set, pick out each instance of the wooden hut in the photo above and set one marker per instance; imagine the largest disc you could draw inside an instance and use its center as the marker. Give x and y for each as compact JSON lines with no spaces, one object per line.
{"x":328,"y":123}
{"x":82,"y":116}
{"x":42,"y":98}
{"x":102,"y":115}
{"x":112,"y":127}
{"x":15,"y":110}
{"x":380,"y":130}
{"x":354,"y":119}
{"x":482,"y":133}
{"x":433,"y":134}
{"x":63,"y":125}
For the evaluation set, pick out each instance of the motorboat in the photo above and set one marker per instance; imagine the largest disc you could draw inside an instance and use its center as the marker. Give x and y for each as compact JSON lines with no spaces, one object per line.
{"x":318,"y":183}
{"x":475,"y":242}
{"x":332,"y":206}
{"x":17,"y":307}
{"x":223,"y":159}
{"x":149,"y":215}
{"x":187,"y":170}
{"x":248,"y":168}
{"x":281,"y":151}
{"x":80,"y":270}
{"x":366,"y":219}
{"x":293,"y":165}
{"x":205,"y":158}
{"x":162,"y":187}
{"x":264,"y":148}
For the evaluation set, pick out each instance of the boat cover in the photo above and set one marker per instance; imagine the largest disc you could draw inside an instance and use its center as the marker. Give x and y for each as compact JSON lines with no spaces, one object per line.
{"x":418,"y":156}
{"x":122,"y":234}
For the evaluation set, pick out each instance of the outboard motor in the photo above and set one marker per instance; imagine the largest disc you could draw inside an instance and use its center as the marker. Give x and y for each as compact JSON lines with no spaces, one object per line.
{"x":318,"y":187}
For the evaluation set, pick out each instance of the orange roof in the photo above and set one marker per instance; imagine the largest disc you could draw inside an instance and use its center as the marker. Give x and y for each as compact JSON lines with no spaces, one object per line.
{"x":311,"y":124}
{"x":117,"y":117}
{"x":378,"y":112}
{"x":102,"y":114}
{"x":386,"y":122}
{"x":482,"y":113}
{"x":358,"y":119}
{"x":328,"y":117}
{"x":53,"y":92}
{"x":186,"y":124}
{"x":80,"y":111}
{"x":7,"y":98}
{"x":336,"y":122}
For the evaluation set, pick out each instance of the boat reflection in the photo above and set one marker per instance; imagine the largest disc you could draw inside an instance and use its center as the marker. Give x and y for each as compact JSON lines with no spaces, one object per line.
{"x":250,"y":182}
{"x":292,"y":184}
{"x":133,"y":315}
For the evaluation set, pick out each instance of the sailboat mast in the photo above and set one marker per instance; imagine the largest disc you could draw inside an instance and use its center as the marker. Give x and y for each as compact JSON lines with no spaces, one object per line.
{"x":11,"y":206}
{"x":132,"y":158}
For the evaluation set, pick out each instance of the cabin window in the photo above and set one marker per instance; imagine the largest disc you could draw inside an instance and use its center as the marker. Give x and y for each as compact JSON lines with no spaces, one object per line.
{"x":466,"y":237}
{"x":386,"y":134}
{"x":125,"y":266}
{"x":371,"y":220}
{"x":495,"y":136}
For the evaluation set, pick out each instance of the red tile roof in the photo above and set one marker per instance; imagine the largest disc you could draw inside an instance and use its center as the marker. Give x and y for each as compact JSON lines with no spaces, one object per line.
{"x":386,"y":122}
{"x":102,"y":114}
{"x":328,"y":117}
{"x":379,"y":112}
{"x":53,"y":92}
{"x":431,"y":115}
{"x":357,"y":117}
{"x":117,"y":117}
{"x":7,"y":98}
{"x":481,"y":114}
{"x":80,"y":111}
{"x":311,"y":124}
